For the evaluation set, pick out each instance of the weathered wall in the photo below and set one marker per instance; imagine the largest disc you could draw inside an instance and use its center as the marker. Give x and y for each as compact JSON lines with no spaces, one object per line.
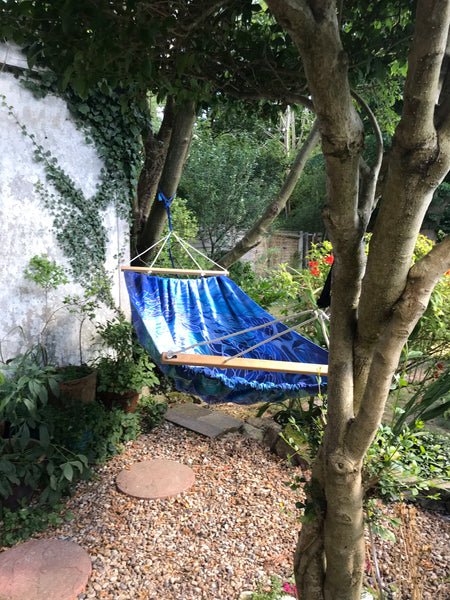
{"x":26,"y":225}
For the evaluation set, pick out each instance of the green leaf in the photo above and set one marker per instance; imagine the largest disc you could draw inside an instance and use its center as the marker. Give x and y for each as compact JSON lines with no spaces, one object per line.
{"x":31,"y":406}
{"x":78,"y":465}
{"x":68,"y":471}
{"x":34,"y":388}
{"x":54,"y":387}
{"x":384,"y":533}
{"x":5,"y":488}
{"x":83,"y":459}
{"x":22,"y":382}
{"x":84,"y":109}
{"x":44,"y":437}
{"x":263,"y":409}
{"x":43,"y":394}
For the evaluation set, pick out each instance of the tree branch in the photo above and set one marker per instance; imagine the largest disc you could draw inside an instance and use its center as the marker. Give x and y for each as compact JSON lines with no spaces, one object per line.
{"x":424,"y":67}
{"x":369,"y":175}
{"x":298,"y":12}
{"x":155,"y":149}
{"x":422,"y":278}
{"x":314,"y":29}
{"x":271,"y":95}
{"x":177,"y":153}
{"x":253,"y":237}
{"x":442,"y":114}
{"x":419,"y":159}
{"x":187,"y":26}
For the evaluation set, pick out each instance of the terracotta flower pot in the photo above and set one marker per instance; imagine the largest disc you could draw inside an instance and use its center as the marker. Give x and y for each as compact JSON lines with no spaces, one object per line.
{"x":127,"y":402}
{"x":78,"y":390}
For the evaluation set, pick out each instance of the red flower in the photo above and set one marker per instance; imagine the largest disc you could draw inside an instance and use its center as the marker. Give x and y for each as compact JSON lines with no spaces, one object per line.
{"x":313,"y":264}
{"x":440,"y":366}
{"x":329,"y":259}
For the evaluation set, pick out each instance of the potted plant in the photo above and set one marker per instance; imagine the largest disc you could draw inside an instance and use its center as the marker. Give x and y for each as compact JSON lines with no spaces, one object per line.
{"x":76,"y":382}
{"x":126,"y":369}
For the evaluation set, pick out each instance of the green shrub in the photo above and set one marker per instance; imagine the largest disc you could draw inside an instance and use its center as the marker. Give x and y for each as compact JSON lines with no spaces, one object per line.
{"x":30,"y":456}
{"x":78,"y":435}
{"x":285,"y":291}
{"x":19,"y":525}
{"x":409,"y":460}
{"x":129,"y":366}
{"x":48,"y":448}
{"x":151,"y":412}
{"x":431,"y":400}
{"x":278,"y":287}
{"x":242,"y":274}
{"x":91,"y":429}
{"x":303,"y":420}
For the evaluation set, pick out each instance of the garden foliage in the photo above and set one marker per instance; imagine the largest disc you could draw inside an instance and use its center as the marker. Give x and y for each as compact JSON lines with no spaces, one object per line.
{"x":403,"y":455}
{"x":46,"y":445}
{"x":286,"y":290}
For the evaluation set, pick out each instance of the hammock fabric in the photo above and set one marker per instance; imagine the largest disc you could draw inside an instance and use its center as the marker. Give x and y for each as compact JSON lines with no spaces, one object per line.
{"x":171,"y":314}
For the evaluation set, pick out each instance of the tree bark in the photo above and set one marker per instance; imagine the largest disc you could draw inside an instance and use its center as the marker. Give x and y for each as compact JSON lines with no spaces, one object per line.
{"x":418,"y":162}
{"x":177,"y":154}
{"x":253,"y":237}
{"x":155,"y":149}
{"x":374,"y":307}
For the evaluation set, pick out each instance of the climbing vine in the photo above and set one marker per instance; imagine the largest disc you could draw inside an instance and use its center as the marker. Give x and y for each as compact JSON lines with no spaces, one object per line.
{"x":110,"y":121}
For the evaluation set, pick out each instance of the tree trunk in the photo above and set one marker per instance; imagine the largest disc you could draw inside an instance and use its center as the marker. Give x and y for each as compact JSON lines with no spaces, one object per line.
{"x":155,"y":149}
{"x":253,"y":237}
{"x":177,"y":154}
{"x":375,"y":307}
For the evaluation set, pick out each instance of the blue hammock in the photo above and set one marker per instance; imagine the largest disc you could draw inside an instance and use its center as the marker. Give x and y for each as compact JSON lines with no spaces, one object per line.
{"x":171,"y":314}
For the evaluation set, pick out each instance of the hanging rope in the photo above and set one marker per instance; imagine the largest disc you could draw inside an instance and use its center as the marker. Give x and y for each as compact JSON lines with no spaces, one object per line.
{"x":168,"y":204}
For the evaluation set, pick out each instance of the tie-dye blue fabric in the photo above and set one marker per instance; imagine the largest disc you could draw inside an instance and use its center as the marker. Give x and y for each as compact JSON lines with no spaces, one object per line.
{"x":171,"y":314}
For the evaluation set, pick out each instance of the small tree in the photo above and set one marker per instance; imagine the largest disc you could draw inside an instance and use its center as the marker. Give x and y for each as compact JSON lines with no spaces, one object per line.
{"x":227,"y":182}
{"x":49,"y":276}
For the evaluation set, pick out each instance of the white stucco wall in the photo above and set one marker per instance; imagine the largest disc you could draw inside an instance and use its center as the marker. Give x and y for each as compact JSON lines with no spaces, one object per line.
{"x":26,"y":225}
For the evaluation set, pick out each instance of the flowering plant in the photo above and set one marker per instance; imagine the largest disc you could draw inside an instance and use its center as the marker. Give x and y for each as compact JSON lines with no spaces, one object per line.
{"x":275,"y":590}
{"x":286,"y":290}
{"x":320,"y":259}
{"x":289,"y":588}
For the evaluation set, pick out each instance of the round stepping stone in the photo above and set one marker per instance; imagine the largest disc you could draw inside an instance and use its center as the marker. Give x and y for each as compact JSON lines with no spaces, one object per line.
{"x":153,"y":479}
{"x":44,"y":570}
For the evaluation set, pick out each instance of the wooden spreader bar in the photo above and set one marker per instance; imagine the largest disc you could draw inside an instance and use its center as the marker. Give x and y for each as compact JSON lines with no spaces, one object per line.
{"x":170,"y":271}
{"x":250,"y":364}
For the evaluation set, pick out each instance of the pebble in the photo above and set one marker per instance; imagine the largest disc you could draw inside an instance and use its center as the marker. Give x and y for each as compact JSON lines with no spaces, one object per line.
{"x":218,"y":538}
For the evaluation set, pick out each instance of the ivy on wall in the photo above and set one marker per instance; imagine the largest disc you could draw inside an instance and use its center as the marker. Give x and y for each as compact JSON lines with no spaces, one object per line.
{"x":110,"y":121}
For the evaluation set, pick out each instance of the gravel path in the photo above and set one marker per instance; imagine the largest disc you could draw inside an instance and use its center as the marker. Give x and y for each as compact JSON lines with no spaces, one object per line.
{"x":236,"y":526}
